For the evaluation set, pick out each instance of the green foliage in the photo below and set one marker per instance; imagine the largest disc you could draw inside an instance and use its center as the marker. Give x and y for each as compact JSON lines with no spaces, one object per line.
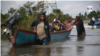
{"x":25,"y":23}
{"x":12,"y":10}
{"x":57,"y":12}
{"x":64,"y":18}
{"x":50,"y":17}
{"x":40,"y":6}
{"x":22,"y":12}
{"x":27,"y":6}
{"x":4,"y":17}
{"x":86,"y":16}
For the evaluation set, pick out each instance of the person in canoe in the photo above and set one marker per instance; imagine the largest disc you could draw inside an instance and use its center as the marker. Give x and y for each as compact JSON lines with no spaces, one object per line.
{"x":40,"y":26}
{"x":70,"y":20}
{"x":92,"y":21}
{"x":59,"y":26}
{"x":79,"y":25}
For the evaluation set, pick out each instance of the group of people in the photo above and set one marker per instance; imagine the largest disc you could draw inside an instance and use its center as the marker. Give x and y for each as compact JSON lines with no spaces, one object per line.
{"x":40,"y":26}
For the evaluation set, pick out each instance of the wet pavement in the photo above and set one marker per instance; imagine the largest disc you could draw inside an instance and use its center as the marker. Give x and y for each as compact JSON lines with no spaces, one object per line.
{"x":88,"y":45}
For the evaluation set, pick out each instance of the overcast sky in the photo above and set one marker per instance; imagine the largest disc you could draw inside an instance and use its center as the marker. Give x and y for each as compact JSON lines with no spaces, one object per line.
{"x":67,"y":7}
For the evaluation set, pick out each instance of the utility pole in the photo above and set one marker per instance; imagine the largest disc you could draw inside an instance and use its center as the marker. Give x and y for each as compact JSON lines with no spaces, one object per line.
{"x":56,"y":3}
{"x":53,"y":4}
{"x":50,"y":4}
{"x":36,"y":6}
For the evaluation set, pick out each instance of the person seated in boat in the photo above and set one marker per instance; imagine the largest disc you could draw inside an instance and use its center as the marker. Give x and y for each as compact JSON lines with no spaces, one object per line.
{"x":79,"y":25}
{"x":40,"y":26}
{"x":70,"y":20}
{"x":96,"y":19}
{"x":92,"y":21}
{"x":59,"y":26}
{"x":53,"y":25}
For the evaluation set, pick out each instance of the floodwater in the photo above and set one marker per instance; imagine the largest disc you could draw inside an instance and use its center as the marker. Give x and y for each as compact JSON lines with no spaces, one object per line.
{"x":88,"y":45}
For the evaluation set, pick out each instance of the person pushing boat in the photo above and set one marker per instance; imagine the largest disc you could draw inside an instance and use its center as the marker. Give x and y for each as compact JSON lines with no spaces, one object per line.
{"x":40,"y":26}
{"x":79,"y":25}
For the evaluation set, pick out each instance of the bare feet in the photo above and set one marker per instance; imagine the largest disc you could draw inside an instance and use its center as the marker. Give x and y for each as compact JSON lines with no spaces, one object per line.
{"x":83,"y":33}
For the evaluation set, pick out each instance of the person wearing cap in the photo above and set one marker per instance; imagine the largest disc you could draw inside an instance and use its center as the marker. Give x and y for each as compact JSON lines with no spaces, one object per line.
{"x":54,"y":22}
{"x":53,"y":25}
{"x":79,"y":25}
{"x":59,"y":26}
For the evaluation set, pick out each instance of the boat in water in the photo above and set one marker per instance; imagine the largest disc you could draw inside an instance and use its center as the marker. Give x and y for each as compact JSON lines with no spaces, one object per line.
{"x":25,"y":37}
{"x":96,"y":24}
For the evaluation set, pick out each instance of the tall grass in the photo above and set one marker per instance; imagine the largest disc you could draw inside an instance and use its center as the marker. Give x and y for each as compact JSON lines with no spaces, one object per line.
{"x":25,"y":23}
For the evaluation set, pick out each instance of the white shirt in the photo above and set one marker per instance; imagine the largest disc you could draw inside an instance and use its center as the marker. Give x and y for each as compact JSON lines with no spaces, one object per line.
{"x":40,"y":30}
{"x":93,"y":18}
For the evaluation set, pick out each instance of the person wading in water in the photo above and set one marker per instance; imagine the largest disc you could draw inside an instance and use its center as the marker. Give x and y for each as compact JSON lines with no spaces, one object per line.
{"x":79,"y":25}
{"x":40,"y":26}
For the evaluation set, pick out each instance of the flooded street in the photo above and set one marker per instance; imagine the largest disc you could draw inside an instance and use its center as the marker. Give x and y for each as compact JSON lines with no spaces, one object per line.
{"x":88,"y":45}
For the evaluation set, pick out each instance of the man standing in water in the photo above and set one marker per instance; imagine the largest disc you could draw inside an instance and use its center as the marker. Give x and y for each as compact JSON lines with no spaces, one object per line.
{"x":79,"y":26}
{"x":41,"y":27}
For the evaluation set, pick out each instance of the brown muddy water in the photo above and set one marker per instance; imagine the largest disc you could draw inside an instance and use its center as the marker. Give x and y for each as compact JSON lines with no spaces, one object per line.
{"x":88,"y":45}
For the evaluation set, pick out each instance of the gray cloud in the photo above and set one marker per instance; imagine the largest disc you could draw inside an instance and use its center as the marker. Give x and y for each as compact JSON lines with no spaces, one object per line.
{"x":74,"y":7}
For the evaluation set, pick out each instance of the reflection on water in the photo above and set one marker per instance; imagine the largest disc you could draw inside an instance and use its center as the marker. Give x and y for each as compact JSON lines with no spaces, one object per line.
{"x":12,"y":51}
{"x":42,"y":51}
{"x":30,"y":51}
{"x":73,"y":46}
{"x":5,"y":47}
{"x":56,"y":51}
{"x":80,"y":50}
{"x":81,"y":38}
